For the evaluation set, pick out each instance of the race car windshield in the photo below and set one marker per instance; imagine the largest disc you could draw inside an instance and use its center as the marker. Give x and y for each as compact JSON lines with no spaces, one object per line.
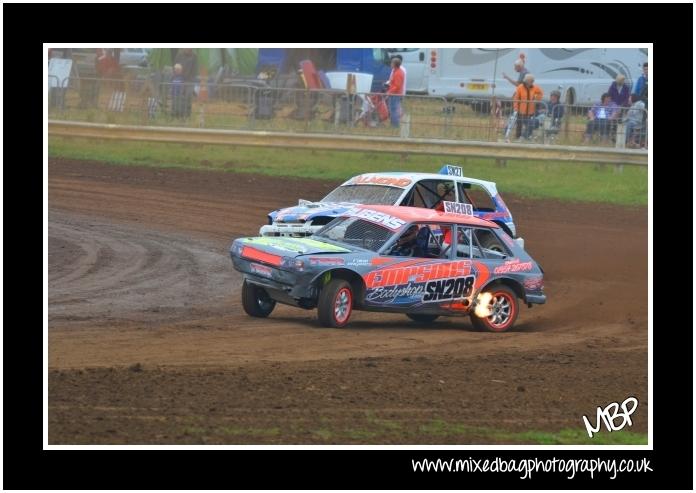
{"x":356,"y":232}
{"x":365,"y":194}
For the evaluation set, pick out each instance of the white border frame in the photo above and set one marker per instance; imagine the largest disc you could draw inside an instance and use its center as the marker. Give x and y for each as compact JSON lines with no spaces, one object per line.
{"x":46,"y":445}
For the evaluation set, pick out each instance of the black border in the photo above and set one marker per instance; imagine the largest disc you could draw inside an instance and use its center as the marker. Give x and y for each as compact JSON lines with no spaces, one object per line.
{"x":27,"y":26}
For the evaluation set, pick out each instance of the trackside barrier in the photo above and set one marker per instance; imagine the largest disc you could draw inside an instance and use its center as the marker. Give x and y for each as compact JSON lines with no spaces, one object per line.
{"x":335,"y":142}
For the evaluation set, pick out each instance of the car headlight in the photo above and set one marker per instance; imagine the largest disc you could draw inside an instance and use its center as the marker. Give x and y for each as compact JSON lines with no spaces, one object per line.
{"x":237,"y":248}
{"x":293,"y":263}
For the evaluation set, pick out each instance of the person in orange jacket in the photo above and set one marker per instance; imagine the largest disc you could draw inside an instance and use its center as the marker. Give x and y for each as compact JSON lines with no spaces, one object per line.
{"x":523,"y":103}
{"x":396,"y":89}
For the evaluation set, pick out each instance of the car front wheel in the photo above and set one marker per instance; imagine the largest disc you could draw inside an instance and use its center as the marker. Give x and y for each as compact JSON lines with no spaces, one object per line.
{"x":335,"y":304}
{"x":256,"y":301}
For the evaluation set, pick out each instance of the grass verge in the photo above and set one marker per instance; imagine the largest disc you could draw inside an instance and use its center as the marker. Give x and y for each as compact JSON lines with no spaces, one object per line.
{"x":530,"y":179}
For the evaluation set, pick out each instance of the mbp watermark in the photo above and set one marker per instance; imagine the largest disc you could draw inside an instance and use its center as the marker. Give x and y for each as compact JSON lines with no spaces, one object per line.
{"x":610,"y":414}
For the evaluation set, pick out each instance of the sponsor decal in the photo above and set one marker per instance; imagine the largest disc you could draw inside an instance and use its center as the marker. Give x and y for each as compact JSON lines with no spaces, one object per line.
{"x":321,"y":261}
{"x":409,"y":283}
{"x":408,"y":293}
{"x":458,"y":209}
{"x":381,"y":218}
{"x":395,"y":275}
{"x":261,"y":270}
{"x":533,"y":283}
{"x":493,"y":215}
{"x":359,"y":261}
{"x":381,"y":180}
{"x":513,"y":265}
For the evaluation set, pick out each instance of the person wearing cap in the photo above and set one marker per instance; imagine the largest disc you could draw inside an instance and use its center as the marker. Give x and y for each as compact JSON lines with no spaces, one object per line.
{"x":619,"y":91}
{"x":521,"y":72}
{"x":524,"y":104}
{"x":554,"y":110}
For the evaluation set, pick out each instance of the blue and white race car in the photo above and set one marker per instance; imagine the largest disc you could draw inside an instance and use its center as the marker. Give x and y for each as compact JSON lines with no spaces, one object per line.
{"x":427,"y":190}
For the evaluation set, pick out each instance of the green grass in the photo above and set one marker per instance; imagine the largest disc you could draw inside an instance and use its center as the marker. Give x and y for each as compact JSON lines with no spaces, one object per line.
{"x":542,"y":179}
{"x":374,"y":430}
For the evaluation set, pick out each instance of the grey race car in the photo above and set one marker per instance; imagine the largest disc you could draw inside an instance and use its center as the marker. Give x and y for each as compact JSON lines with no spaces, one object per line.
{"x":420,"y":262}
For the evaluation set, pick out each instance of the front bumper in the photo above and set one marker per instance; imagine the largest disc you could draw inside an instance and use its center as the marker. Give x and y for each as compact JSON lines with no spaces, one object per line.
{"x":537,"y":299}
{"x":296,"y":230}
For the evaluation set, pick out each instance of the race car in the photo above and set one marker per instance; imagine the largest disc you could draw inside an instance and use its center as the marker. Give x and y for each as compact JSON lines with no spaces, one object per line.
{"x":420,"y":262}
{"x":426,"y":190}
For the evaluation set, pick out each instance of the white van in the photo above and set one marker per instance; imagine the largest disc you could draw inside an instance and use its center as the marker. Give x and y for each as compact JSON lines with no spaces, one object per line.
{"x":581,"y":74}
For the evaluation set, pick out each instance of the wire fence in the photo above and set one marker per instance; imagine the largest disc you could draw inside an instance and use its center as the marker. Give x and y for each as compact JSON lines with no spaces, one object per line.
{"x":254,"y":105}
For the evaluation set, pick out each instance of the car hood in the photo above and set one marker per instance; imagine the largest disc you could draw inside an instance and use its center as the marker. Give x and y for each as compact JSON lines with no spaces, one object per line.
{"x":309,"y":210}
{"x":286,"y":247}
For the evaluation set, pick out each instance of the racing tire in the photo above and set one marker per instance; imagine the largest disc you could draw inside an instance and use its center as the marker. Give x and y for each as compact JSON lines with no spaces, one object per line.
{"x":256,"y":301}
{"x":335,"y":304}
{"x":422,"y":318}
{"x":505,"y":308}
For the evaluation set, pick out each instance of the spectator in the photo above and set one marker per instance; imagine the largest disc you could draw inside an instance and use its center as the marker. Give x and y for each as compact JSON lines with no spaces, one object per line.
{"x":401,"y":59}
{"x":620,"y":92}
{"x":520,"y":69}
{"x":602,"y":117}
{"x":189,"y":64}
{"x":524,"y":105}
{"x":178,"y":92}
{"x":554,"y":112}
{"x":634,"y":122}
{"x":189,"y":71}
{"x":640,"y":88}
{"x":555,"y":108}
{"x":396,"y":88}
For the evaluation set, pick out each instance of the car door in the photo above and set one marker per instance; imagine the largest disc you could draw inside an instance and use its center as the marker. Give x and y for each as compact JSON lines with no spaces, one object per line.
{"x":412,"y":282}
{"x":486,"y":251}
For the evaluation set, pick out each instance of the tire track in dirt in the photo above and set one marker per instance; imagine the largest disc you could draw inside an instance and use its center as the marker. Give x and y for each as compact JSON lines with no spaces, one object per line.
{"x":117,"y":272}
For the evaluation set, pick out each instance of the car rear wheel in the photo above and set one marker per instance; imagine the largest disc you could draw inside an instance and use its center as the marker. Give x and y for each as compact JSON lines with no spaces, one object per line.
{"x":504,"y":308}
{"x":422,"y":318}
{"x":335,"y":304}
{"x":256,"y":301}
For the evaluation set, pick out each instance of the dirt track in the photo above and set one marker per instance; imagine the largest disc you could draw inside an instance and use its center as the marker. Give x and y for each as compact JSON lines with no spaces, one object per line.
{"x":148,"y":342}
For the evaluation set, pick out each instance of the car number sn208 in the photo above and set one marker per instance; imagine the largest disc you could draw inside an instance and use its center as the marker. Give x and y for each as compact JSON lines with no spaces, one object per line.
{"x":448,"y":289}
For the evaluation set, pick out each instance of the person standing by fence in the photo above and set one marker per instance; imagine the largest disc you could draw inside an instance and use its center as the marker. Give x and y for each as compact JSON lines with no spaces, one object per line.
{"x":395,"y":91}
{"x":524,"y":104}
{"x":189,"y":71}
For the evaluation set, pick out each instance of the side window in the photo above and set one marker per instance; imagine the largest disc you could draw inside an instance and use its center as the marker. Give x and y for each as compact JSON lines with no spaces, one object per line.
{"x":430,"y":193}
{"x":420,"y":240}
{"x":490,"y":245}
{"x":464,"y":249}
{"x":477,"y":196}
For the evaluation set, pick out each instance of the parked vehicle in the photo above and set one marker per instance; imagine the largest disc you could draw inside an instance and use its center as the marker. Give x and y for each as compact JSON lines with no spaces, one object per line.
{"x":581,"y":74}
